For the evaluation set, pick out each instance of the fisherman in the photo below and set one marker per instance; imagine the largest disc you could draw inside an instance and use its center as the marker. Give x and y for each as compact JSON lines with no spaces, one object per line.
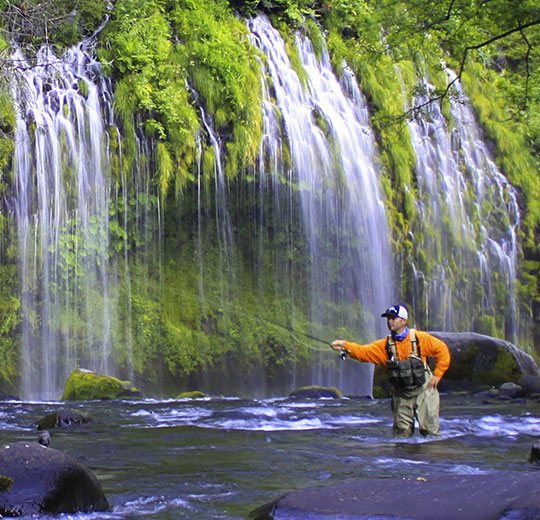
{"x":413,"y":385}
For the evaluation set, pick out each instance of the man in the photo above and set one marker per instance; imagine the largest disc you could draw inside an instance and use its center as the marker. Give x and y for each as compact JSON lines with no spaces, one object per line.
{"x":403,"y":355}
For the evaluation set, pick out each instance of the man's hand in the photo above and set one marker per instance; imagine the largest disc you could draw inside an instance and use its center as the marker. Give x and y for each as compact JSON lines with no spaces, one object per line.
{"x":338,"y":345}
{"x":434,"y":381}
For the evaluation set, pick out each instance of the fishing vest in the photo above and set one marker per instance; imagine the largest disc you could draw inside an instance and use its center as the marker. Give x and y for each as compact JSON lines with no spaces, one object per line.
{"x":409,"y":373}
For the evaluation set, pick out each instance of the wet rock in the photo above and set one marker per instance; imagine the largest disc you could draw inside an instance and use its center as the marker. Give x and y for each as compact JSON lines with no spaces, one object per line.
{"x":534,"y":455}
{"x":510,"y":390}
{"x":316,"y":392}
{"x":63,"y":418}
{"x":45,"y":480}
{"x":445,"y":497}
{"x":45,"y":438}
{"x":84,"y":384}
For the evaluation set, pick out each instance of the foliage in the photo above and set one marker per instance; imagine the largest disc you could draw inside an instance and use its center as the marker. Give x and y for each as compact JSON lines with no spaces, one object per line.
{"x":220,"y":63}
{"x":9,"y":325}
{"x":137,"y":44}
{"x":166,"y":59}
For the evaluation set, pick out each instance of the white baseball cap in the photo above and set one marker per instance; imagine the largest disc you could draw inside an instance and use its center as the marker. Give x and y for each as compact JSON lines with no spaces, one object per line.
{"x":396,"y":311}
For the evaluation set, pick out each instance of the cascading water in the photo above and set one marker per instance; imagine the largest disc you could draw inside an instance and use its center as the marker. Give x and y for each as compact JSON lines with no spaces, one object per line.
{"x":333,"y":165}
{"x":62,"y":208}
{"x":468,"y":220}
{"x":316,"y":171}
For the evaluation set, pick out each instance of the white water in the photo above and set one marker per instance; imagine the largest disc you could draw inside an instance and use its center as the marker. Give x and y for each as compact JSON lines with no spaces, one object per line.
{"x":333,"y":164}
{"x":61,"y":170}
{"x":459,"y":184}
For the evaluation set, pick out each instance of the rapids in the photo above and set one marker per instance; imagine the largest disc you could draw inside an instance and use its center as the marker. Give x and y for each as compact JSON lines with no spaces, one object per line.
{"x":223,"y":457}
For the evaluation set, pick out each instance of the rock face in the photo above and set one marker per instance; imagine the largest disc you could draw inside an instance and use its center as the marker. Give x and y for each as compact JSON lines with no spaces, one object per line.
{"x":440,"y":497}
{"x":84,"y":384}
{"x":483,"y":360}
{"x":45,"y":480}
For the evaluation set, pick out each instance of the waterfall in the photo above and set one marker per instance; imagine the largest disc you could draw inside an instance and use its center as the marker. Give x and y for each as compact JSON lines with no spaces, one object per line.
{"x":469,"y":217}
{"x":333,"y":159}
{"x":62,"y":208}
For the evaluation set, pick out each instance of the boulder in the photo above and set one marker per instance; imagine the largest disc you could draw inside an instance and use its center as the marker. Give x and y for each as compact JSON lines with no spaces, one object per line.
{"x":483,"y":361}
{"x":509,"y":495}
{"x":45,"y":480}
{"x":85,"y":384}
{"x":192,"y":395}
{"x":63,"y":418}
{"x":530,"y":385}
{"x":510,"y":390}
{"x":315,"y":392}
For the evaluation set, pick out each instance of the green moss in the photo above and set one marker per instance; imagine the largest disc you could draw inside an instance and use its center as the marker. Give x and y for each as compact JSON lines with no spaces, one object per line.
{"x":192,"y":395}
{"x":83,"y":384}
{"x":504,"y":370}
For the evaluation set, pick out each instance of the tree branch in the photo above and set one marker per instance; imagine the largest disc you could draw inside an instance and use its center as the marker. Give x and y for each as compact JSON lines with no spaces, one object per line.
{"x":444,"y":94}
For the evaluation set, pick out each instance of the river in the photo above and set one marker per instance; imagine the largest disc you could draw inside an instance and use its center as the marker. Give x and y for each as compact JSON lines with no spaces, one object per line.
{"x":223,"y":457}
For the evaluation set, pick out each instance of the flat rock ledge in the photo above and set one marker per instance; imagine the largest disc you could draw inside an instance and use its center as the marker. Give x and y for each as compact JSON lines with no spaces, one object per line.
{"x":501,"y":496}
{"x":44,"y":480}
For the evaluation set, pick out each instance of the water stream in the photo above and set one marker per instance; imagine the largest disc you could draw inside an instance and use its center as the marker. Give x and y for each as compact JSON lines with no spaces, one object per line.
{"x":62,"y":210}
{"x":469,"y":216}
{"x":223,"y":457}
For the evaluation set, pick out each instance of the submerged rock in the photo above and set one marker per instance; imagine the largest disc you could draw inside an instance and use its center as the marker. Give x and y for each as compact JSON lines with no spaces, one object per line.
{"x":45,"y":480}
{"x":84,"y":384}
{"x":444,"y":497}
{"x":316,"y":392}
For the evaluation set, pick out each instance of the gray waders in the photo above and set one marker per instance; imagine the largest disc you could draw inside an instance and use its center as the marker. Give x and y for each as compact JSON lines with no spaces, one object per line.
{"x":411,"y":397}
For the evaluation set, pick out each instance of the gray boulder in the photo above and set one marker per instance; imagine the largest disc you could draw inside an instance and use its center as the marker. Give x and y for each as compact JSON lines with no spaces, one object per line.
{"x":479,"y":360}
{"x":442,"y":497}
{"x":45,"y":480}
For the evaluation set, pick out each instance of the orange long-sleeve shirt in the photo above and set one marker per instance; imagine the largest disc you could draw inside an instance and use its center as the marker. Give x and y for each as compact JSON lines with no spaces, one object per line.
{"x":430,"y":346}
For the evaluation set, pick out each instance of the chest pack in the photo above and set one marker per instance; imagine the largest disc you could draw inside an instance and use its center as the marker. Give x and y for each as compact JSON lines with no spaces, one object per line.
{"x":408,"y":373}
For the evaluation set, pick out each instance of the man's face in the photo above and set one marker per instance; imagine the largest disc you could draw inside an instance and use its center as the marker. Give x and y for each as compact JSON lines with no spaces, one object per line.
{"x":396,"y":325}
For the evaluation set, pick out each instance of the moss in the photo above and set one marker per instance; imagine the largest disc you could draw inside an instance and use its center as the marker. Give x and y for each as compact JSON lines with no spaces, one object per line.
{"x":316,"y":392}
{"x":83,"y":384}
{"x":5,"y":483}
{"x":379,"y":392}
{"x":192,"y":395}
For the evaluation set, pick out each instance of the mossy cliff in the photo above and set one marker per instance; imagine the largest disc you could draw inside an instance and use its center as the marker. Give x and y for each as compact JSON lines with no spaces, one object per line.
{"x":194,"y":308}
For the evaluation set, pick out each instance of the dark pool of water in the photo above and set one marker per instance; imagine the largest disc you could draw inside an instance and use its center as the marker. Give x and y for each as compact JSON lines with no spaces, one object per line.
{"x":222,"y":458}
